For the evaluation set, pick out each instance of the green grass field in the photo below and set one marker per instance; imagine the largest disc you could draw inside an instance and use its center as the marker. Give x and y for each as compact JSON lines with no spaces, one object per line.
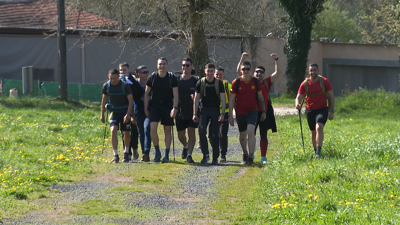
{"x":356,"y":181}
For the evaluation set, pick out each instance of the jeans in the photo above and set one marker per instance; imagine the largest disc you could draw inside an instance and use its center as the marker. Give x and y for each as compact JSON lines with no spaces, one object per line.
{"x":209,"y":115}
{"x":143,"y":125}
{"x":223,"y":134}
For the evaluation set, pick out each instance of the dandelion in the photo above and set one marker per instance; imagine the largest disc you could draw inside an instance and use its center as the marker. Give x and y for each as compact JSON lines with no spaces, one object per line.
{"x":303,"y":218}
{"x":310,"y":195}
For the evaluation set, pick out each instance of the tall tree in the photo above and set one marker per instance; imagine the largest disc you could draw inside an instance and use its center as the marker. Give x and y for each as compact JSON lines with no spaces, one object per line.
{"x":192,"y":22}
{"x":302,"y":15}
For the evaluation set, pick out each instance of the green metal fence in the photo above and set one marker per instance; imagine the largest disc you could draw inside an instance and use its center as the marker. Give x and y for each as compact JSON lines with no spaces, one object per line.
{"x":76,"y":92}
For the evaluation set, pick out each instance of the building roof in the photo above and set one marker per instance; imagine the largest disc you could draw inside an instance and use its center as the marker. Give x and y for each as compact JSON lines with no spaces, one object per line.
{"x":42,"y":14}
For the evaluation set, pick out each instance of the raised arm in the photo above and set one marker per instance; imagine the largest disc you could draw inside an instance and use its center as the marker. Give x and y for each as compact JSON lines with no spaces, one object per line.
{"x":275,"y":75}
{"x":242,"y":59}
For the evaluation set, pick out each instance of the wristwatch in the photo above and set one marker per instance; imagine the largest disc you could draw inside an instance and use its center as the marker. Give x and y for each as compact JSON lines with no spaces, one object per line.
{"x":332,"y":111}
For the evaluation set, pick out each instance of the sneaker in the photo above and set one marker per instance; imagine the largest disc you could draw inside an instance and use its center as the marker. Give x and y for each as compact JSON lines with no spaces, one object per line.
{"x":205,"y":159}
{"x":223,"y":158}
{"x":245,"y":157}
{"x":146,"y":158}
{"x":157,"y":157}
{"x":165,"y":159}
{"x":215,"y":162}
{"x":184,"y":153}
{"x":115,"y":159}
{"x":189,"y":159}
{"x":126,"y":158}
{"x":250,"y":161}
{"x":135,"y":154}
{"x":264,"y":160}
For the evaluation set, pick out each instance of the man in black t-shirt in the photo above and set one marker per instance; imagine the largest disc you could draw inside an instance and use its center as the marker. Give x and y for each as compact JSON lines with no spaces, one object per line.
{"x":118,"y":95}
{"x":206,"y":90}
{"x":186,"y":87}
{"x":164,"y":105}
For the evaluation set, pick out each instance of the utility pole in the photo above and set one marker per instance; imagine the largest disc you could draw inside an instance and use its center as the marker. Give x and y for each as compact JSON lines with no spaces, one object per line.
{"x":62,"y":52}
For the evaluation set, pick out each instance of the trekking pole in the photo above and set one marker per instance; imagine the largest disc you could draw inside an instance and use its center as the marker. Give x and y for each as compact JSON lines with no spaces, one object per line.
{"x":173,"y":142}
{"x":301,"y":127}
{"x":105,"y":131}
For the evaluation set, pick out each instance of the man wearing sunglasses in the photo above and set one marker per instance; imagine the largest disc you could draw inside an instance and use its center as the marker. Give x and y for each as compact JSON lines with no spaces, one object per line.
{"x":318,"y":90}
{"x":142,"y":121}
{"x":244,"y":100}
{"x":269,"y":122}
{"x":184,"y":123}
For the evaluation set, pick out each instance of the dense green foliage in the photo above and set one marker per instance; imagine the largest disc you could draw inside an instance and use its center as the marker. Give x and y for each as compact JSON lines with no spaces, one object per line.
{"x":333,"y":22}
{"x":302,"y":15}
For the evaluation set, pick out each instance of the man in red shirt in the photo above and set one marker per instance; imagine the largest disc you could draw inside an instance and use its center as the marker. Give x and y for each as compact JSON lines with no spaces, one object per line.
{"x":266,"y":84}
{"x":244,"y":100}
{"x":317,"y":89}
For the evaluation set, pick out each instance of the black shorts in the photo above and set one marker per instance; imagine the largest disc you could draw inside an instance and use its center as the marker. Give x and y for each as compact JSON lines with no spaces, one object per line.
{"x":263,"y":125}
{"x":183,"y":124}
{"x":244,"y":120}
{"x":161,"y":112}
{"x":117,"y":119}
{"x":316,"y":116}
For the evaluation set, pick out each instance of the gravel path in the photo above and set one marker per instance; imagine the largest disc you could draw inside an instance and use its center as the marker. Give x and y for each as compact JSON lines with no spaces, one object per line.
{"x":197,"y":189}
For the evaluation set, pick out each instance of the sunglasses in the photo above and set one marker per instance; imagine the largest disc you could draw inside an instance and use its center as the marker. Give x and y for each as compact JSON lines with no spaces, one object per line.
{"x":185,"y":65}
{"x":145,"y":72}
{"x":260,"y":71}
{"x":244,"y":69}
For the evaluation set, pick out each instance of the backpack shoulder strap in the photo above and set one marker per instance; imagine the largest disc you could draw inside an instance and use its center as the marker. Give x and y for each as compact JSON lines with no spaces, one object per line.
{"x":237,"y":85}
{"x":266,"y":84}
{"x":216,"y":84}
{"x":306,"y":85}
{"x":321,"y":82}
{"x":202,"y":86}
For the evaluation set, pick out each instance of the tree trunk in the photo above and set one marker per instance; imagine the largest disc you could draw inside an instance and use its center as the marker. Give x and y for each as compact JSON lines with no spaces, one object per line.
{"x":198,"y":48}
{"x":302,"y":15}
{"x":62,"y":52}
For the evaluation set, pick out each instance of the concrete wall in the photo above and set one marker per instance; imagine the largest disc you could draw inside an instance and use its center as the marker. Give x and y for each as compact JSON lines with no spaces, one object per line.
{"x":322,"y":54}
{"x":89,"y":62}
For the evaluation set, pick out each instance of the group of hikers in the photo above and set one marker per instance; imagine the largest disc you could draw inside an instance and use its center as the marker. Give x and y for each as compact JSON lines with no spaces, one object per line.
{"x":138,"y":104}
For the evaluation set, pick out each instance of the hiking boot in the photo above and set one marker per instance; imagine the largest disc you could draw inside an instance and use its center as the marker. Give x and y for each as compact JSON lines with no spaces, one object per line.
{"x":264,"y":160}
{"x":245,"y":157}
{"x":126,"y":158}
{"x":165,"y":159}
{"x":184,"y":153}
{"x":135,"y":154}
{"x":115,"y":159}
{"x":205,"y":159}
{"x":250,"y":161}
{"x":146,"y":158}
{"x":223,"y":159}
{"x":189,"y":159}
{"x":215,"y":162}
{"x":157,"y":157}
{"x":317,"y":153}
